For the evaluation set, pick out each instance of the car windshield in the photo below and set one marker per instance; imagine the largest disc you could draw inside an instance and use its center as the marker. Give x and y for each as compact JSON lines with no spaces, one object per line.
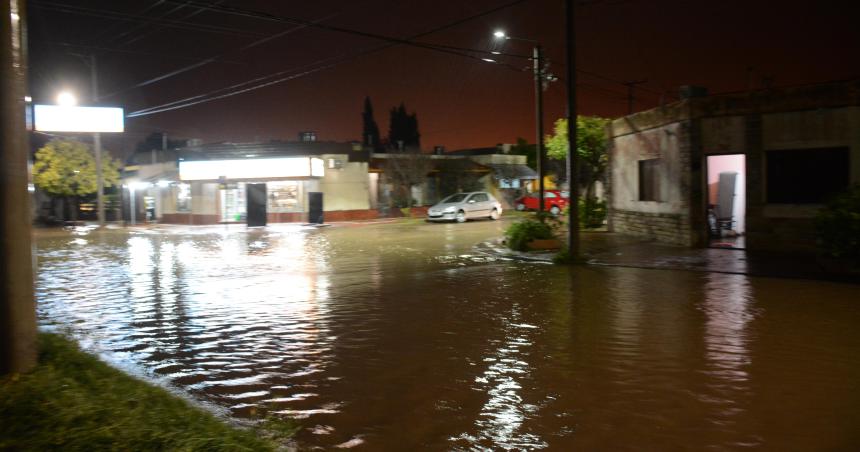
{"x":459,"y":197}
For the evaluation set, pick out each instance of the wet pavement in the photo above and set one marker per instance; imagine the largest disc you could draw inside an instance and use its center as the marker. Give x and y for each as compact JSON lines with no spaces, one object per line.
{"x":405,"y":335}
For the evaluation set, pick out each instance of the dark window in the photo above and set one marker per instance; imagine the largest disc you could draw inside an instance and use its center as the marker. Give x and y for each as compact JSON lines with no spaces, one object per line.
{"x":806,"y":176}
{"x":479,"y":197}
{"x":649,"y":180}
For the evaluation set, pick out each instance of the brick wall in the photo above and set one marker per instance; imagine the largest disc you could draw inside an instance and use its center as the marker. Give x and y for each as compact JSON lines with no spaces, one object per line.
{"x":663,"y":227}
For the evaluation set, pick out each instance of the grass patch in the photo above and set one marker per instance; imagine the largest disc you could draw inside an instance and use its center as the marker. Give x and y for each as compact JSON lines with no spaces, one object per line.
{"x":73,"y":401}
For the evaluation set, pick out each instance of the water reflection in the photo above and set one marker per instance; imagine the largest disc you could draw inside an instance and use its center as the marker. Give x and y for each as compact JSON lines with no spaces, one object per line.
{"x":728,"y":308}
{"x":401,"y":337}
{"x":501,"y":418}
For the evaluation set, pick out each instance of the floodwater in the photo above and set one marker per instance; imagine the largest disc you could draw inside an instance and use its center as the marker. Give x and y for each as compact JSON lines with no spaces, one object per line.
{"x":402,"y":337}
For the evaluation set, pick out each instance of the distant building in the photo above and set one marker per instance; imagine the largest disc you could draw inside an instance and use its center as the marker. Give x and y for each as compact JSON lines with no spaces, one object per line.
{"x":207,"y":183}
{"x":210,"y":183}
{"x":743,"y":170}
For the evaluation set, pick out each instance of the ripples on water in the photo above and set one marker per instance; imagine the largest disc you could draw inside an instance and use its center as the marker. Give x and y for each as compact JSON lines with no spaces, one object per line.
{"x":403,"y":338}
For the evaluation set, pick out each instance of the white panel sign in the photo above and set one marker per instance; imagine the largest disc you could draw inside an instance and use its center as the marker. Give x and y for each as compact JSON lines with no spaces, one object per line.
{"x":271,"y":168}
{"x":56,"y":118}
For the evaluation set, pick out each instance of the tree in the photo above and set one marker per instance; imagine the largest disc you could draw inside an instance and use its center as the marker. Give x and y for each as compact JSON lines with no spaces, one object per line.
{"x":153,"y":141}
{"x":590,"y":146}
{"x":67,"y":168}
{"x":403,"y":129}
{"x":524,"y":148}
{"x":370,"y":133}
{"x":404,"y":170}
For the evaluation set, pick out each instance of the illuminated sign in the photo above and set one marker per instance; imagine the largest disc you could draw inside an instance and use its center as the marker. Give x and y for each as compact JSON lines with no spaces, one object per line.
{"x":272,"y":168}
{"x":55,"y":118}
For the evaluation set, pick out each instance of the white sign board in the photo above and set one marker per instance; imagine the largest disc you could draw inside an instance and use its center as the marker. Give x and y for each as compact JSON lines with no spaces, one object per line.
{"x":251,"y":168}
{"x":56,"y":118}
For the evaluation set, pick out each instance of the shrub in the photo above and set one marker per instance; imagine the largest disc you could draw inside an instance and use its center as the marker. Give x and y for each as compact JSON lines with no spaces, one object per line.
{"x":837,"y":226}
{"x":592,"y":212}
{"x":522,"y":232}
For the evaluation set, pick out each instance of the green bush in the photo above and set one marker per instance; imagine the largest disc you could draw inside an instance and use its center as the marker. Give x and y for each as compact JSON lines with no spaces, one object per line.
{"x":522,"y":232}
{"x":592,"y":212}
{"x":838,"y":226}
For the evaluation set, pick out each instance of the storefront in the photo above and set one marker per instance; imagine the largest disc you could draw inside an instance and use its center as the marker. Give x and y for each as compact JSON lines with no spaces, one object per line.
{"x":230,"y":183}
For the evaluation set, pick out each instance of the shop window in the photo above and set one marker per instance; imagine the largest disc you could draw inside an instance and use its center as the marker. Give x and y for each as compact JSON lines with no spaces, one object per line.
{"x":806,"y":176}
{"x":183,"y":198}
{"x":509,"y":183}
{"x":283,"y":196}
{"x":649,"y":180}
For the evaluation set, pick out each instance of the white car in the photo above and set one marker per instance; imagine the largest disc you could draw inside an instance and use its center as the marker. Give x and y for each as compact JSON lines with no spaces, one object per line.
{"x":465,"y":206}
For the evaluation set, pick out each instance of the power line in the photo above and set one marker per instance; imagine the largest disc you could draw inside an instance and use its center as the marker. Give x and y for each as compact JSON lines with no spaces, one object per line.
{"x":326,"y":63}
{"x":127,"y":17}
{"x":215,"y":58}
{"x":133,"y":52}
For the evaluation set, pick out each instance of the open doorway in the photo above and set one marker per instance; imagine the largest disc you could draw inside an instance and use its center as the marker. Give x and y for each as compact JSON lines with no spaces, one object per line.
{"x":727,"y":201}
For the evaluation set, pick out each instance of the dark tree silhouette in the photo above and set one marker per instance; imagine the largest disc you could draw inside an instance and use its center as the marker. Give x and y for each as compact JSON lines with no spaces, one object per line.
{"x":403,"y":129}
{"x":370,"y":135}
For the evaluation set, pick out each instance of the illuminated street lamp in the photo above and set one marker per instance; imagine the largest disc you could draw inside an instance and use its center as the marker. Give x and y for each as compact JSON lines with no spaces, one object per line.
{"x":66,"y":99}
{"x":539,"y":77}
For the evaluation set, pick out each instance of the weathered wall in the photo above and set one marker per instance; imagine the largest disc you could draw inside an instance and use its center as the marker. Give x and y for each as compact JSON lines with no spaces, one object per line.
{"x":346,"y":188}
{"x":666,"y":220}
{"x":789,"y":227}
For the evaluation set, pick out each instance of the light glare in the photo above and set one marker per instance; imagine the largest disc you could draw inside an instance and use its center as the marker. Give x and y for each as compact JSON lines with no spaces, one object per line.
{"x":499,"y":34}
{"x":53,"y":118}
{"x":66,"y":99}
{"x":269,"y":168}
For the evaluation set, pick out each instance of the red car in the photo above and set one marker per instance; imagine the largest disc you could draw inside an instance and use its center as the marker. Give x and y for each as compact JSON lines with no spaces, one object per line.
{"x":553,"y":200}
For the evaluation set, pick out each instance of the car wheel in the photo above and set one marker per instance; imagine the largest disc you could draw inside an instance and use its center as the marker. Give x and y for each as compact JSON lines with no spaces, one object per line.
{"x":494,"y":215}
{"x":461,"y":217}
{"x":520,"y":207}
{"x":554,"y":210}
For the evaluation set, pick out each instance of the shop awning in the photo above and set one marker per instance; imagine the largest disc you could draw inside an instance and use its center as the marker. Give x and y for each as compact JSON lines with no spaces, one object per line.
{"x":512,"y":171}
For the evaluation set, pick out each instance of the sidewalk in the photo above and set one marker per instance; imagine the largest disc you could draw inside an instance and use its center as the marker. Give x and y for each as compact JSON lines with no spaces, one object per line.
{"x":616,"y":250}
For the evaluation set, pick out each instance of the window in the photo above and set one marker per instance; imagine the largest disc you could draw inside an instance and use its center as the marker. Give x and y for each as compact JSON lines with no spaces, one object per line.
{"x":183,"y":198}
{"x":283,"y":196}
{"x":806,"y":176}
{"x":548,"y":194}
{"x":649,"y":180}
{"x":479,"y":197}
{"x":509,"y":183}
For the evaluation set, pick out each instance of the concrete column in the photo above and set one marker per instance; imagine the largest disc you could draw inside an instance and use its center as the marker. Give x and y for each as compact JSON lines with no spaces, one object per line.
{"x":754,"y":151}
{"x":17,"y":307}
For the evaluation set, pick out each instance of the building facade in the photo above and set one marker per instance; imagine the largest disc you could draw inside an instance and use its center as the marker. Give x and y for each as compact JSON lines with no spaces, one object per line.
{"x":755,"y":166}
{"x":209,"y":184}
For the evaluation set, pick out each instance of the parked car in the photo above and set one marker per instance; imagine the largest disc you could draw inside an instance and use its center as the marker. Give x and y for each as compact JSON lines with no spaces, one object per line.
{"x":553,"y":200}
{"x":465,"y":206}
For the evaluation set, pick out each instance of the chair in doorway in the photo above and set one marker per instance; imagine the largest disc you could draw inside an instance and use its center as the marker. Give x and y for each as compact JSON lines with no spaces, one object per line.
{"x":721,"y":214}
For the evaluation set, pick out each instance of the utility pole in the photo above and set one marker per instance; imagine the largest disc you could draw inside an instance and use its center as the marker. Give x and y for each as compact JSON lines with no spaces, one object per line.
{"x":97,"y":147}
{"x":631,"y":86}
{"x":572,"y":154}
{"x":17,"y":305}
{"x":541,"y":164}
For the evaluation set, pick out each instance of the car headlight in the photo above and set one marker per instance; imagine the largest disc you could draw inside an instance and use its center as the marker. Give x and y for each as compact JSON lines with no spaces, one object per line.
{"x":451,"y":209}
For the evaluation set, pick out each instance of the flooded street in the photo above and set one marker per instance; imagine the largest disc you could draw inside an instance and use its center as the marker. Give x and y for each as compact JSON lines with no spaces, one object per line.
{"x":402,"y":337}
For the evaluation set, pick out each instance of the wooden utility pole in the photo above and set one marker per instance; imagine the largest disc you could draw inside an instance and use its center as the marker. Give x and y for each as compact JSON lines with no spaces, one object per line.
{"x":539,"y":148}
{"x":17,"y":306}
{"x":573,"y":155}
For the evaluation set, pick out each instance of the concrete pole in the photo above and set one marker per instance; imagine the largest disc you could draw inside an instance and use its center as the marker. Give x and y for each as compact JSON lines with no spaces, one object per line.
{"x":541,"y":164}
{"x":97,"y":147}
{"x":17,"y":306}
{"x":572,"y":154}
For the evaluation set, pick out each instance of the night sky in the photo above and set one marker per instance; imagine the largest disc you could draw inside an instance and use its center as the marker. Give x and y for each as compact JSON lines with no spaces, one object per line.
{"x":461,"y":102}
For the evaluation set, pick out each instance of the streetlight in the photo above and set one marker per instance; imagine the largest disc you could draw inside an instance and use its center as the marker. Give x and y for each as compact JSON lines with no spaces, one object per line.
{"x":537,"y":57}
{"x":66,"y":99}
